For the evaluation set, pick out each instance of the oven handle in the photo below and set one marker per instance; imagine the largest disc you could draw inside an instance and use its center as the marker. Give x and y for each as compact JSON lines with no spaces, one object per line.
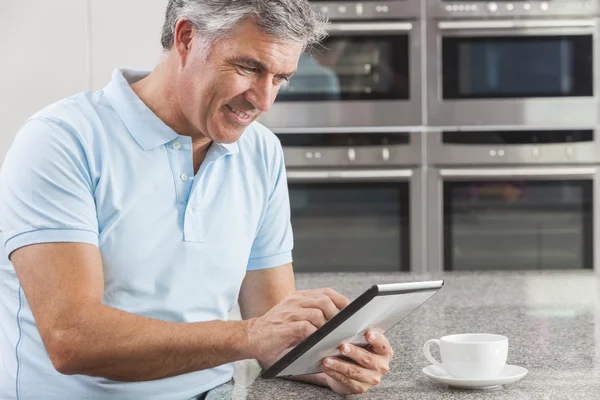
{"x":543,"y":173}
{"x":349,"y":175}
{"x":360,"y":27}
{"x":509,"y":24}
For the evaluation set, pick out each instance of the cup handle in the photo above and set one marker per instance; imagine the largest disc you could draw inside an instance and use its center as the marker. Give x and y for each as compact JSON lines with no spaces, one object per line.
{"x":428,"y":355}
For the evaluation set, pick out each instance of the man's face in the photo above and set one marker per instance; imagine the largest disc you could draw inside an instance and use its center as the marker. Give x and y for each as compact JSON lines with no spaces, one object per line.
{"x":220,"y":95}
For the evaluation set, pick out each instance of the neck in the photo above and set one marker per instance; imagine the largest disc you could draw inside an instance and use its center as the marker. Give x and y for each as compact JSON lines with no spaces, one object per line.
{"x":158,"y":93}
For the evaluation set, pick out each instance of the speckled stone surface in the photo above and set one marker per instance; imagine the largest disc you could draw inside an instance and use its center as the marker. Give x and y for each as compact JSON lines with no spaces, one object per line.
{"x":552,"y":320}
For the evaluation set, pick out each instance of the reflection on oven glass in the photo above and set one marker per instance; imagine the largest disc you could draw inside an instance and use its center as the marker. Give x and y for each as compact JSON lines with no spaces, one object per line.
{"x":518,"y":225}
{"x":503,"y":67}
{"x":352,"y":68}
{"x":350,"y":227}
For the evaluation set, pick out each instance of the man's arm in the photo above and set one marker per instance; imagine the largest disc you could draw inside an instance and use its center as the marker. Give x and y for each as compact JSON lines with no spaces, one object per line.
{"x":263,"y":289}
{"x":63,"y":283}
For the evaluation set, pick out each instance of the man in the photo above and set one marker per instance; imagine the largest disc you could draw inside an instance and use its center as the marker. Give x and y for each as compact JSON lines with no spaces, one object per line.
{"x":134,"y":218}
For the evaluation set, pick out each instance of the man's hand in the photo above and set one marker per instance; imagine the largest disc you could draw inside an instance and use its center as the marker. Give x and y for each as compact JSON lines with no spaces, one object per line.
{"x":291,"y":321}
{"x":370,"y":365}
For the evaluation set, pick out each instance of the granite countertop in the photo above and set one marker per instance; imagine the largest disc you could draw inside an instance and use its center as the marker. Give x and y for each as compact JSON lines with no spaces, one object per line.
{"x":552,"y":320}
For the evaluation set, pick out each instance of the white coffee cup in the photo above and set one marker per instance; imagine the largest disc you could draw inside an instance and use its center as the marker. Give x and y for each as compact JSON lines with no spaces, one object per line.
{"x":470,"y":355}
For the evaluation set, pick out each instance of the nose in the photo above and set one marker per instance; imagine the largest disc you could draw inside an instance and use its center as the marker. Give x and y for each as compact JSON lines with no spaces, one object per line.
{"x":262,"y":94}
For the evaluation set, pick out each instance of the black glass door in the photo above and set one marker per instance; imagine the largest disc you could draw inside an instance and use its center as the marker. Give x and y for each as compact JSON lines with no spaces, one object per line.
{"x":350,"y":227}
{"x":501,"y":67}
{"x":361,"y":67}
{"x":518,"y":225}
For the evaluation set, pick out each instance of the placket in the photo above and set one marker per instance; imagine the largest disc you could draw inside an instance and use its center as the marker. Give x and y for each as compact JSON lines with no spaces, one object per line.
{"x":182,"y":167}
{"x":190,"y":188}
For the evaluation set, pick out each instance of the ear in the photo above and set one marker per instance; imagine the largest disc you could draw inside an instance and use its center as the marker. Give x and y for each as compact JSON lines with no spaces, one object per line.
{"x":182,"y":38}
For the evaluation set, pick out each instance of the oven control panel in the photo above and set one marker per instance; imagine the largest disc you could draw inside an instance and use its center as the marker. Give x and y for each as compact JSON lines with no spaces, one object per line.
{"x":367,"y":10}
{"x":461,"y":9}
{"x":513,"y":147}
{"x":372,"y":149}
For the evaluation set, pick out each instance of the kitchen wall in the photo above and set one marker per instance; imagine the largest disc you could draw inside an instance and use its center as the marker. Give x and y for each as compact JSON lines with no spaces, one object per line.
{"x":54,"y":49}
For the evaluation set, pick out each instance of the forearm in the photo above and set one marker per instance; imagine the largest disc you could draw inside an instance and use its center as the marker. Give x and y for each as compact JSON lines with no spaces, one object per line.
{"x":103,"y":341}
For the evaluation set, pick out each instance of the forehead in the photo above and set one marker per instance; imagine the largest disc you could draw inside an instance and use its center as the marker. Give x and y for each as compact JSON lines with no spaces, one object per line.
{"x":247,"y":40}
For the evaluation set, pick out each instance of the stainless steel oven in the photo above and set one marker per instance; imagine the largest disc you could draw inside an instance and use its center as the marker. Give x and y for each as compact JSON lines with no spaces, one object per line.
{"x":356,"y":201}
{"x":513,"y":200}
{"x":367,"y":73}
{"x":506,"y":8}
{"x":533,"y":73}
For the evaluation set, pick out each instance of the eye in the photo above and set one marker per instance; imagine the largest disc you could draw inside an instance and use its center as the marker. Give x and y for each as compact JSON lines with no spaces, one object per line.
{"x":247,"y":70}
{"x":281,"y":79}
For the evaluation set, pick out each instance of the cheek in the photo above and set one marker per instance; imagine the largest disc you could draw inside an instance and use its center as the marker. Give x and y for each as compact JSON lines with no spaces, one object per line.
{"x":235,"y":86}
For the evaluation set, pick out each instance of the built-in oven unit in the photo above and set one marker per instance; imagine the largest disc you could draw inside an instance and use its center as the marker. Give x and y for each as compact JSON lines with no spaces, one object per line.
{"x":513,"y":200}
{"x":356,"y":201}
{"x":513,"y":72}
{"x":508,"y":8}
{"x":366,"y":73}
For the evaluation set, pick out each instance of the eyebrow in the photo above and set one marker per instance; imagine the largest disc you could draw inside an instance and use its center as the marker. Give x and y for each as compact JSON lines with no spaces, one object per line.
{"x":254,"y":63}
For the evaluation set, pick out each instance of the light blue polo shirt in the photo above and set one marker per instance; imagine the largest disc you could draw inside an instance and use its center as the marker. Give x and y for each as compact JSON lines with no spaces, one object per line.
{"x":101,"y":168}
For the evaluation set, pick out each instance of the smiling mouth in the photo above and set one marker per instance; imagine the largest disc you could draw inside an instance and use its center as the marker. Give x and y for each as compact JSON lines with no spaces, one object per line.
{"x":241,"y":116}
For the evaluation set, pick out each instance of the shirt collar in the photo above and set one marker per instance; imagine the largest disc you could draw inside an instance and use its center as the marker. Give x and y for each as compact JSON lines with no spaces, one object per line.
{"x":230,"y":148}
{"x":145,"y":127}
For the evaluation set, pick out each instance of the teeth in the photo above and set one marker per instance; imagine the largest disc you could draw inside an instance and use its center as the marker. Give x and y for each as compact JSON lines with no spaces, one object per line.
{"x":239,"y":113}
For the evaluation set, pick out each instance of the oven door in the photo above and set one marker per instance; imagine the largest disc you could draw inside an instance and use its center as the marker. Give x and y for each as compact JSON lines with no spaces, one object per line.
{"x":513,"y":218}
{"x":363,"y":75}
{"x":356,"y":220}
{"x":518,"y":72}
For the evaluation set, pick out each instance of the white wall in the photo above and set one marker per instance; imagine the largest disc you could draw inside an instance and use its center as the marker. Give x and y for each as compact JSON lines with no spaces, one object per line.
{"x":129,"y":37}
{"x":51,"y":49}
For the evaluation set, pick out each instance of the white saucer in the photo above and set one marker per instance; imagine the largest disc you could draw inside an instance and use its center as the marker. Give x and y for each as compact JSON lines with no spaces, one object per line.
{"x":510,"y":374}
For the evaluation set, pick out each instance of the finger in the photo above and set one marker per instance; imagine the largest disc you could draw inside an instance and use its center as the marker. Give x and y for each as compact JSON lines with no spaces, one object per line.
{"x":301,"y":330}
{"x":379,"y":344}
{"x":365,"y":358}
{"x":313,"y":315}
{"x":320,"y":302}
{"x":351,"y":386}
{"x":339,"y":300}
{"x":351,"y":370}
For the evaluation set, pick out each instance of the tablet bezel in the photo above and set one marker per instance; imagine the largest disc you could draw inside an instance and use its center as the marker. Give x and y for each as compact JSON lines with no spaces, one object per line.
{"x":345,"y":314}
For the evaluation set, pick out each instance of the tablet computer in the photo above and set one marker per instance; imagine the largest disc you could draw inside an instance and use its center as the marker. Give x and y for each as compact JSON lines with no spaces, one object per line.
{"x":380,"y":307}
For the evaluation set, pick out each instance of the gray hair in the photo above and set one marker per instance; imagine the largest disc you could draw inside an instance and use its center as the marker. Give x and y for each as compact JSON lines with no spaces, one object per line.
{"x":292,"y":21}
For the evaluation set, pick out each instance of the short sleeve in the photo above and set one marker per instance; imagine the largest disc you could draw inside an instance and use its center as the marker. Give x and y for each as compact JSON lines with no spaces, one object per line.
{"x":46,"y":190}
{"x":274,"y":242}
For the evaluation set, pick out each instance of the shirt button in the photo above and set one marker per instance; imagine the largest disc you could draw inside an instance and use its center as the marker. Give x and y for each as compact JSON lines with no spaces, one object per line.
{"x":189,"y":210}
{"x":184,"y":177}
{"x":176,"y":145}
